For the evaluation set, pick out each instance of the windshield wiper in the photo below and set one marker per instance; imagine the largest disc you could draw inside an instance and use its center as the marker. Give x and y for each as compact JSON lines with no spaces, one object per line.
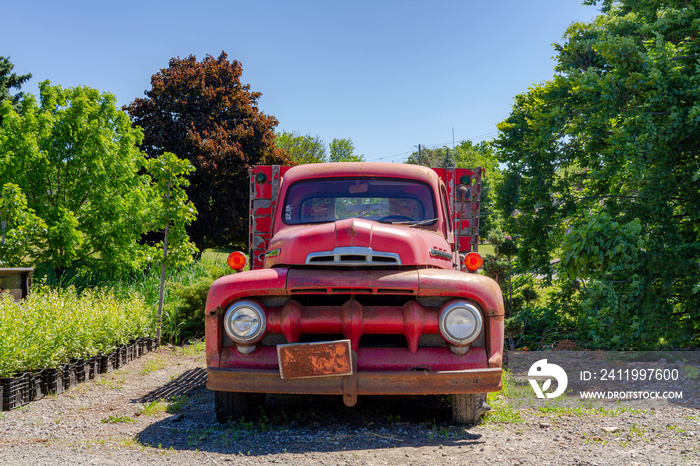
{"x":414,"y":223}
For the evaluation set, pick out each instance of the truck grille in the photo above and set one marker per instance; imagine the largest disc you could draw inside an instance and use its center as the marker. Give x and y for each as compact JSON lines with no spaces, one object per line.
{"x":353,"y":256}
{"x":404,"y":323}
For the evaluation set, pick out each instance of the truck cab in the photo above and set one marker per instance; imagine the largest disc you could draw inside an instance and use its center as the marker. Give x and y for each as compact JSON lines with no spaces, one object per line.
{"x":362,"y":281}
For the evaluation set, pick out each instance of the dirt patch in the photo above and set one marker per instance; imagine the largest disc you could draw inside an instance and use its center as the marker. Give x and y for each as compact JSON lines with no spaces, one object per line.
{"x":156,"y":410}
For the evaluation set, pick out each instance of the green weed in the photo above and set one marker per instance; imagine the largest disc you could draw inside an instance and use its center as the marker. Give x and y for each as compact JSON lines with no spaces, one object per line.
{"x":178,"y":403}
{"x":673,"y":428}
{"x":505,"y":407}
{"x":154,"y":408}
{"x":192,"y":349}
{"x":637,"y":430}
{"x":119,"y":418}
{"x":580,"y":411}
{"x":200,"y":435}
{"x":152,"y":365}
{"x":503,"y":413}
{"x":111,"y":382}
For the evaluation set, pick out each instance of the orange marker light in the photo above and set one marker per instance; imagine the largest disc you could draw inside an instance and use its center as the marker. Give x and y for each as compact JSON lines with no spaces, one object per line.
{"x":237,"y":260}
{"x":473,"y":261}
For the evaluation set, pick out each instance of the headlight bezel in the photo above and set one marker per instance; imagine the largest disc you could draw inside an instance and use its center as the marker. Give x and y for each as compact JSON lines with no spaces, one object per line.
{"x":241,"y":307}
{"x":448,"y":310}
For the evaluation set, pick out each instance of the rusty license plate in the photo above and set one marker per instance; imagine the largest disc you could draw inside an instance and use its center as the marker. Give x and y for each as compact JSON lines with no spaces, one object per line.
{"x":319,"y":359}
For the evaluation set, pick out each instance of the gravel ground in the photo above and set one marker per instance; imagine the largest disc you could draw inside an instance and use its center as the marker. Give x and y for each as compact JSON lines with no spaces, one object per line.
{"x":156,"y":411}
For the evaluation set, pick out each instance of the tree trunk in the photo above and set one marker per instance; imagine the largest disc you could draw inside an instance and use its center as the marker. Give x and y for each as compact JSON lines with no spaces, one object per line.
{"x":162,"y":274}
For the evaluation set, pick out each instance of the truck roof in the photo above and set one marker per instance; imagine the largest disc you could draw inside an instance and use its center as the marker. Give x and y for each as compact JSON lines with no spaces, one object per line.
{"x":352,"y":169}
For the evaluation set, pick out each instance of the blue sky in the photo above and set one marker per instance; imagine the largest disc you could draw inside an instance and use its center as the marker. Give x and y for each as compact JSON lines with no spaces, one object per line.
{"x":388,"y":74}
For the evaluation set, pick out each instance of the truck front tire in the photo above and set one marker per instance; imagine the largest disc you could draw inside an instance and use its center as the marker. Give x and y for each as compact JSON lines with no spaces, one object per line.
{"x":236,"y":405}
{"x":468,"y":408}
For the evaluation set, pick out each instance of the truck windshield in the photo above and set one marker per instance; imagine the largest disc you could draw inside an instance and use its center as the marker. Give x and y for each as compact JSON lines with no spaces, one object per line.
{"x":383,"y":200}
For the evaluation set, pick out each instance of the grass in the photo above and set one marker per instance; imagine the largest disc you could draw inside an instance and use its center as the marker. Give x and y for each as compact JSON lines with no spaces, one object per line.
{"x":111,"y":382}
{"x":505,"y":408}
{"x":193,"y":349}
{"x":154,"y":408}
{"x":152,"y":365}
{"x":509,"y":406}
{"x":674,"y":428}
{"x":503,"y":413}
{"x":581,"y":411}
{"x":216,"y":254}
{"x":117,"y":419}
{"x":178,"y":404}
{"x":637,"y":430}
{"x":487,"y":248}
{"x":238,"y":429}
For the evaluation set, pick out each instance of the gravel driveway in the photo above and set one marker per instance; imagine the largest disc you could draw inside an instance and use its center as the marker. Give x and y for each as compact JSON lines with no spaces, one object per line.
{"x":156,"y":410}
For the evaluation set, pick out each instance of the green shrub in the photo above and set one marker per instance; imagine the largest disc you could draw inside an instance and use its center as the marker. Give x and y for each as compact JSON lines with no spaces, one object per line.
{"x":185,"y":292}
{"x":51,"y":326}
{"x":184,"y":313}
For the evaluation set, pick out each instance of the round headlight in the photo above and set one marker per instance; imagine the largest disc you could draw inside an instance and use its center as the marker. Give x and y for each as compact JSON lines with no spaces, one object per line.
{"x":245,"y":322}
{"x":460,"y":322}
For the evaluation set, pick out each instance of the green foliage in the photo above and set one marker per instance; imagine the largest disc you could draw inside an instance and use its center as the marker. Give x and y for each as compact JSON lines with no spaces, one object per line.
{"x":301,"y":149}
{"x":10,"y":80}
{"x":465,"y":155}
{"x":595,"y":244}
{"x":119,"y":418}
{"x":343,"y":150}
{"x":146,"y":284}
{"x":497,"y":268}
{"x":154,"y":408}
{"x":75,"y":157}
{"x":176,"y":211}
{"x":468,"y":155}
{"x":19,"y":227}
{"x":201,"y":112}
{"x":185,"y":311}
{"x":52,"y":325}
{"x":602,"y":166}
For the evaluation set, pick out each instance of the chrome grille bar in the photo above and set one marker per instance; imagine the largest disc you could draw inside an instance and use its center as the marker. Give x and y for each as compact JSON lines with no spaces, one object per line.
{"x":353,"y":256}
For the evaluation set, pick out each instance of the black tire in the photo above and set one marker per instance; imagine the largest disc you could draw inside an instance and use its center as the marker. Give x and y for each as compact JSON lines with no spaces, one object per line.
{"x":236,"y":405}
{"x":468,"y":408}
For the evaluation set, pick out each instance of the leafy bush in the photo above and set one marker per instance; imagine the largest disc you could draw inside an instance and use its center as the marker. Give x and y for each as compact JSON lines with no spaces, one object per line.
{"x":185,"y":293}
{"x":184,"y":313}
{"x":53,"y":325}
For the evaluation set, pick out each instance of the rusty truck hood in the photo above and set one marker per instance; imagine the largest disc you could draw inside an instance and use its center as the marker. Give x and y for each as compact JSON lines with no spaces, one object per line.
{"x":357,"y":242}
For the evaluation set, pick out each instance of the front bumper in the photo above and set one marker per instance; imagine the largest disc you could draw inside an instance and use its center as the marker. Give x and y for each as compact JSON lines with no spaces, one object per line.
{"x":363,"y":383}
{"x":446,"y":375}
{"x":368,"y":383}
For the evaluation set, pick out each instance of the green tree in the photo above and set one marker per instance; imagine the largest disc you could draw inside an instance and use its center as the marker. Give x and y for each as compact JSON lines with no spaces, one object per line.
{"x":605,"y":159}
{"x":75,"y":157}
{"x":175,"y":213}
{"x":10,"y":80}
{"x":434,"y":158}
{"x":301,"y":149}
{"x":201,"y":112}
{"x":343,"y":150}
{"x":469,"y":155}
{"x":19,"y":226}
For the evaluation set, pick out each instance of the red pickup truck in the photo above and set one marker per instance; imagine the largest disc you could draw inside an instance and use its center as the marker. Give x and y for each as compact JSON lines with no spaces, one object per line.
{"x":362,"y":281}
